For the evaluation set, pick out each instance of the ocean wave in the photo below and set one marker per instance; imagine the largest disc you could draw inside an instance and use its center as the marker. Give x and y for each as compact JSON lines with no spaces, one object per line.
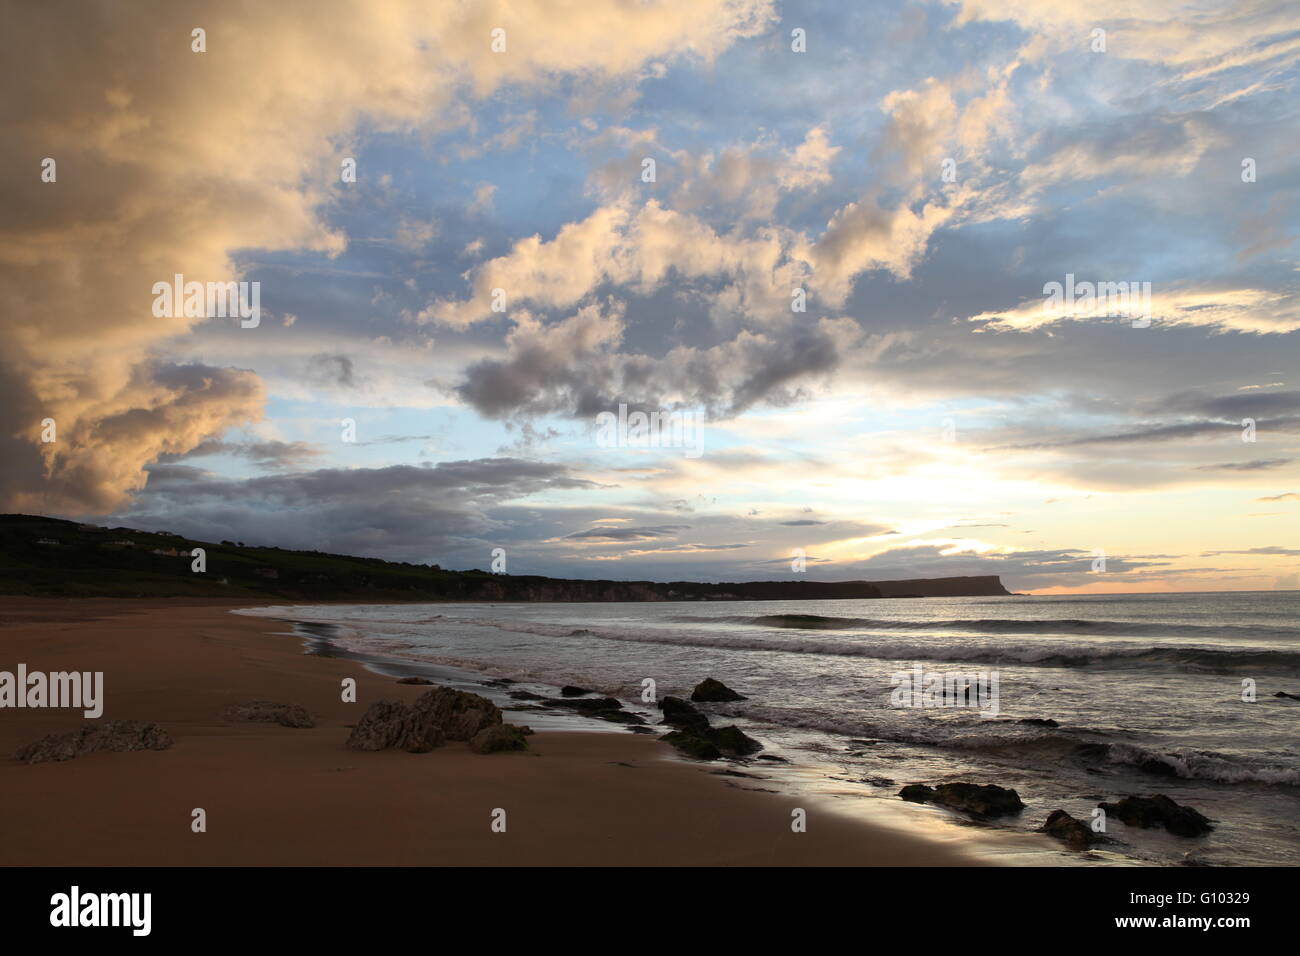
{"x":1202,"y":765}
{"x":819,"y":622}
{"x":1187,"y":658}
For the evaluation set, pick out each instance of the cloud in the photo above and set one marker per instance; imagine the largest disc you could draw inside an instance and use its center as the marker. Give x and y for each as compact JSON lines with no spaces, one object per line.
{"x":1221,"y":308}
{"x":628,"y":534}
{"x":624,"y":245}
{"x":240,"y":148}
{"x":1257,"y":464}
{"x":265,"y":454}
{"x":573,"y":368}
{"x":402,"y":512}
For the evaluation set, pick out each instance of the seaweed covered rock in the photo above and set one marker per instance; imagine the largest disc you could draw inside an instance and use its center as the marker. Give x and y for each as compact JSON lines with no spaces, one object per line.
{"x":678,"y":713}
{"x":710,"y":691}
{"x":116,"y":736}
{"x":694,"y":737}
{"x":1160,"y":811}
{"x":693,"y":745}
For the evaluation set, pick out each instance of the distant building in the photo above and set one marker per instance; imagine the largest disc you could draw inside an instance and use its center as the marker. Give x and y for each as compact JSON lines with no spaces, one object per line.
{"x":53,"y":541}
{"x":269,"y":573}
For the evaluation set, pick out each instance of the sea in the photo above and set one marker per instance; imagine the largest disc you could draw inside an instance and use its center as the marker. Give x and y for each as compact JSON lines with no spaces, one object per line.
{"x":1083,"y":699}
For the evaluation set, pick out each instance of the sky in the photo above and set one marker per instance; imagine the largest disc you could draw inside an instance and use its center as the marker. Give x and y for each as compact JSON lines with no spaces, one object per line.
{"x":822,"y":235}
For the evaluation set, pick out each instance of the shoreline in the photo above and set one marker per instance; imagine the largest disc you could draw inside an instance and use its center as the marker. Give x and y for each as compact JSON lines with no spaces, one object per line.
{"x":280,"y":796}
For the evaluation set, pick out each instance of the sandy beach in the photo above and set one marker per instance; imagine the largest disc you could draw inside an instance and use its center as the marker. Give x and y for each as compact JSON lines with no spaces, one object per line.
{"x":280,"y":796}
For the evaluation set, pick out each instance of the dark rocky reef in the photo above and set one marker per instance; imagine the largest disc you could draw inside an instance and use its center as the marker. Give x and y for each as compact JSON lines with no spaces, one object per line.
{"x":1160,"y":811}
{"x":981,"y":800}
{"x":694,"y":736}
{"x":710,"y":691}
{"x":109,"y":735}
{"x":601,"y":708}
{"x":1075,"y":834}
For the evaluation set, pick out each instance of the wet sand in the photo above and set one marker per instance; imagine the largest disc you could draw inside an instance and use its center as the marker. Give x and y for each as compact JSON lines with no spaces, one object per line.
{"x":280,"y":796}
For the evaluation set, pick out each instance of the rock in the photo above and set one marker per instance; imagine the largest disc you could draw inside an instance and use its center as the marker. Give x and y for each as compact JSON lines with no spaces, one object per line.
{"x":1159,"y":810}
{"x":1073,"y":833}
{"x":112,"y":735}
{"x":692,"y":745}
{"x":709,"y":744}
{"x":268,"y":711}
{"x":696,"y":738}
{"x":498,"y":737}
{"x":734,"y":742}
{"x":678,"y":713}
{"x":568,"y":690}
{"x":525,"y":695}
{"x":917,"y":793}
{"x":436,"y":716}
{"x":1039,"y":722}
{"x":587,"y":705}
{"x":618,"y":716}
{"x":415,"y":680}
{"x":714,"y":692}
{"x":1286,"y":695}
{"x":987,"y":800}
{"x":385,"y":724}
{"x":459,"y":715}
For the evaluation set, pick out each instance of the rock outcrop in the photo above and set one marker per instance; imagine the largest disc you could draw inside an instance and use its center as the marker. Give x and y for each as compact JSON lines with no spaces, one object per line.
{"x":498,"y":737}
{"x":1073,"y":833}
{"x":111,"y":735}
{"x":600,"y":708}
{"x":1159,"y":811}
{"x":981,"y":800}
{"x":695,"y":738}
{"x":710,"y":691}
{"x":435,"y":717}
{"x":268,"y":711}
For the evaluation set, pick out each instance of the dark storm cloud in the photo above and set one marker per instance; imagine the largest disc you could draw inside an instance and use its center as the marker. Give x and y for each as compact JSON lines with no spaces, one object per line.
{"x":401,"y":512}
{"x":558,"y":371}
